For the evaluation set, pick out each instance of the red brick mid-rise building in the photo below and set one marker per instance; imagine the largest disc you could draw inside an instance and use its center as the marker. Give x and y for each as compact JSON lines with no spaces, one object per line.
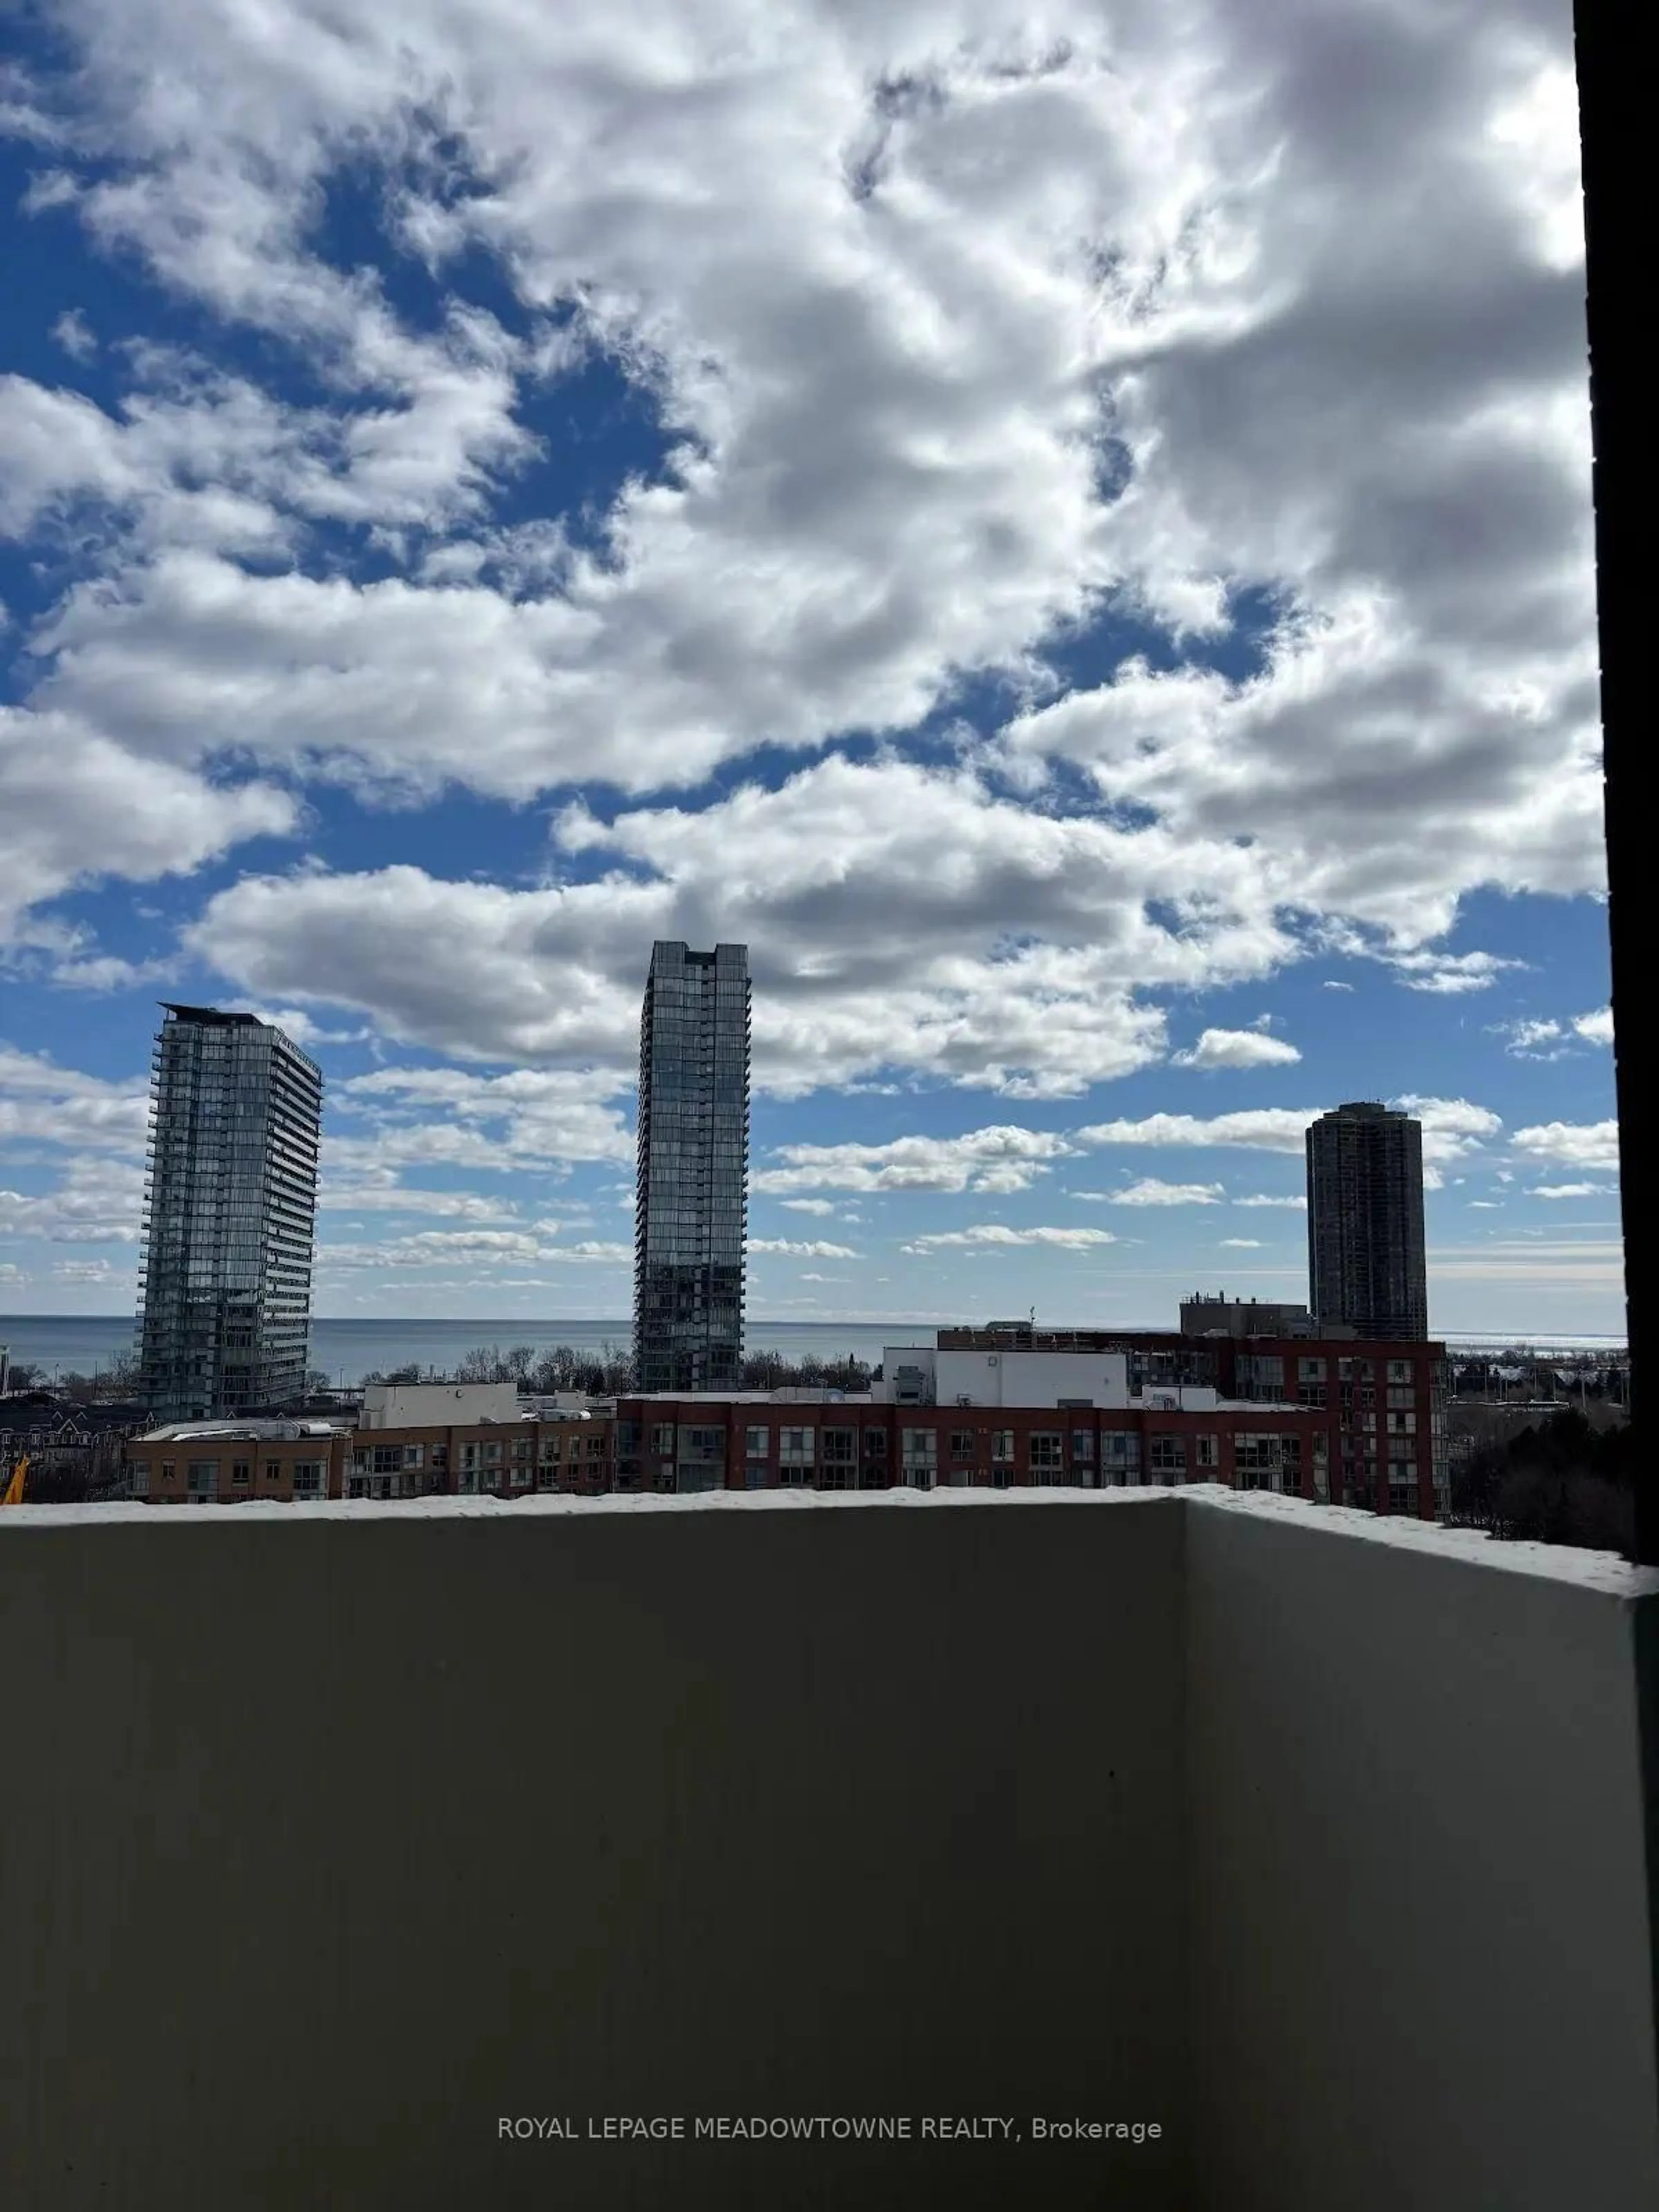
{"x":1334,"y":1421}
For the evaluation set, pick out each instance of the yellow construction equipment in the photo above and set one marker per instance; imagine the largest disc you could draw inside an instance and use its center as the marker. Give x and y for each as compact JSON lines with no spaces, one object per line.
{"x":15,"y":1488}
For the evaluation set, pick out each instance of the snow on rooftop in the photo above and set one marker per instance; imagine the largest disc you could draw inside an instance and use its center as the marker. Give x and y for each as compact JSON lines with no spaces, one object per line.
{"x":1601,"y":1572}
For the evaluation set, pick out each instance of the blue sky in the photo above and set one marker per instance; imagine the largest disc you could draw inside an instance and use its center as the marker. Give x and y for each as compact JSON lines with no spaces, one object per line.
{"x":1072,"y":539}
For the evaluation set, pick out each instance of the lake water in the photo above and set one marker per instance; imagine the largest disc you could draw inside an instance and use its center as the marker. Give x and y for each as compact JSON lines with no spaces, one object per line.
{"x":350,"y":1349}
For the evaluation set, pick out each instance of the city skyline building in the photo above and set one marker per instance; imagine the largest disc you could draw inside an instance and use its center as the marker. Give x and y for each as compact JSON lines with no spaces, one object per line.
{"x":230,"y":1216}
{"x":1367,"y":1266}
{"x":692,"y":1168}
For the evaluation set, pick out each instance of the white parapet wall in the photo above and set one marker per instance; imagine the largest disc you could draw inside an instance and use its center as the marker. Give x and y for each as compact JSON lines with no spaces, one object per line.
{"x":336,"y":1836}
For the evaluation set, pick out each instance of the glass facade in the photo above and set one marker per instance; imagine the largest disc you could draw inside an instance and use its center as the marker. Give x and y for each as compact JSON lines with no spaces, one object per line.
{"x":691,"y":1209}
{"x":230,"y":1208}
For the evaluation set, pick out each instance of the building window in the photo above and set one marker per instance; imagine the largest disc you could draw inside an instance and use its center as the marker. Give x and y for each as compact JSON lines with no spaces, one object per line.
{"x":1002,"y":1447}
{"x":663,"y":1440}
{"x":875,"y":1443}
{"x":839,"y":1447}
{"x":919,"y":1447}
{"x":552,"y":1449}
{"x":1166,"y":1452}
{"x":1207,"y":1451}
{"x":521,"y":1476}
{"x":756,"y":1443}
{"x":1310,"y":1370}
{"x":962,"y":1445}
{"x":795,"y":1478}
{"x":242,"y":1470}
{"x":755,"y":1474}
{"x":492,"y":1454}
{"x":1083,"y":1447}
{"x":307,"y":1478}
{"x":596,"y":1448}
{"x":1402,"y":1370}
{"x":835,"y":1478}
{"x":358,"y":1486}
{"x":1310,"y":1394}
{"x":1043,"y":1448}
{"x":169,"y":1470}
{"x":203,"y":1475}
{"x":469,"y":1456}
{"x":795,"y":1446}
{"x":1403,"y":1498}
{"x":520,"y":1449}
{"x":547,"y":1478}
{"x":1261,"y":1374}
{"x":1119,"y":1455}
{"x":1400,"y":1399}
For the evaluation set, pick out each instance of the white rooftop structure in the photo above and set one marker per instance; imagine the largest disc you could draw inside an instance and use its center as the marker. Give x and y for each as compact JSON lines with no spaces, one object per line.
{"x":231,"y":1429}
{"x":921,"y":1375}
{"x":437,"y":1404}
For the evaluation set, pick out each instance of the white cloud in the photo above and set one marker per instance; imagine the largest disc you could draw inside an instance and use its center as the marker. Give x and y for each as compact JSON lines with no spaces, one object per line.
{"x":960,"y":331}
{"x":1574,"y":1143}
{"x":811,"y":1250}
{"x":1298,"y":1201}
{"x":1331,"y":986}
{"x":435,"y":1247}
{"x":1149,"y":1191}
{"x":1254,"y":1128}
{"x":1572,"y":1190}
{"x":73,"y":333}
{"x":1596,"y":1027}
{"x":83,"y":1271}
{"x":43,"y":1101}
{"x":94,"y":1202}
{"x":454,"y":1117}
{"x":816,"y":1205}
{"x":1242,"y":1243}
{"x":996,"y":1233}
{"x":993,"y":1160}
{"x":1453,"y":1128}
{"x":1238,"y":1048}
{"x":75,"y":806}
{"x":393,"y":1197}
{"x":1524,"y":1040}
{"x":1449,"y":974}
{"x":1487,"y":1204}
{"x":1600,"y":1266}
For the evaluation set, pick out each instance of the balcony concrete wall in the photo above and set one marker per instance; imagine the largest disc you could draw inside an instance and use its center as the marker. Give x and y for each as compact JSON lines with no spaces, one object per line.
{"x":1420,"y":1956}
{"x":335,"y":1835}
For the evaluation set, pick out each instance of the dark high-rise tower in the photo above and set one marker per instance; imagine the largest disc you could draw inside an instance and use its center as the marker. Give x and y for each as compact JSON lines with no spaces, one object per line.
{"x":1365,"y":1255}
{"x":691,"y":1210}
{"x":230,"y":1210}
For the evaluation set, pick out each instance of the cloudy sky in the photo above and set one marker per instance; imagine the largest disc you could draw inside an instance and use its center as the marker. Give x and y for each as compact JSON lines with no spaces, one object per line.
{"x":1066,"y":529}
